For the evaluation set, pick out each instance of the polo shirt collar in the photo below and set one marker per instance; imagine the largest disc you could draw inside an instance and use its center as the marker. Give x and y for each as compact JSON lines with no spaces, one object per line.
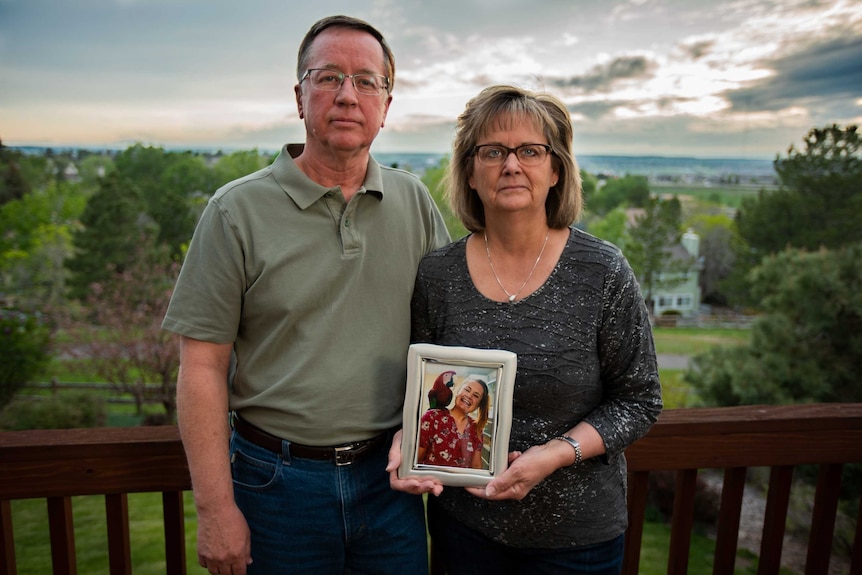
{"x":304,"y":191}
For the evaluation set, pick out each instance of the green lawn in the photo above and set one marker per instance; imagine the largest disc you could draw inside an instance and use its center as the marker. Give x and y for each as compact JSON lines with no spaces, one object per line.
{"x":692,"y":341}
{"x":33,"y":548}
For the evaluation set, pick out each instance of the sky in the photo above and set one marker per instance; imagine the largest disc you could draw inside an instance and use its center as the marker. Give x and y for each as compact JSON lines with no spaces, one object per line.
{"x":677,"y":78}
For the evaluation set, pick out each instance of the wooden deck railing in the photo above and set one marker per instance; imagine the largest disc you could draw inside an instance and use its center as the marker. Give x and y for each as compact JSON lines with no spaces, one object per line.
{"x":57,"y":465}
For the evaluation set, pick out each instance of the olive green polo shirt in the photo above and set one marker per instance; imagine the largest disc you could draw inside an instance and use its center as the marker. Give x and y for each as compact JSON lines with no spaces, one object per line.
{"x":313,"y":292}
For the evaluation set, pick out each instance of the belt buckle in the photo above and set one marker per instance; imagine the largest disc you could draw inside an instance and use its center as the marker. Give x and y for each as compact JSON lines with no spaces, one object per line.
{"x":346,"y":454}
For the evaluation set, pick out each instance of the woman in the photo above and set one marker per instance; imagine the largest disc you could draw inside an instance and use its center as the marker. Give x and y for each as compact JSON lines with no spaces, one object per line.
{"x":570,"y":307}
{"x":450,"y":437}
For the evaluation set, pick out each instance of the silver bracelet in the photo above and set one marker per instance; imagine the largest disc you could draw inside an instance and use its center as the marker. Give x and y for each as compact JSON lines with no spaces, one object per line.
{"x":575,"y":445}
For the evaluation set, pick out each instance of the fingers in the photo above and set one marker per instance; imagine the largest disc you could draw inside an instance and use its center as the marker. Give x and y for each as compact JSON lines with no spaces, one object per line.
{"x":221,"y":568}
{"x":414,"y":485}
{"x":394,"y":452}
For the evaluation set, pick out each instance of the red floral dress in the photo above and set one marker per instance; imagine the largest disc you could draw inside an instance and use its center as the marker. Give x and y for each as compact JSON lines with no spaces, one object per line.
{"x":443,"y":444}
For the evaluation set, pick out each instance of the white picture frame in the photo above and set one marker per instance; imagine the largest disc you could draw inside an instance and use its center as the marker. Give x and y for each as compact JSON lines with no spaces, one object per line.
{"x":425,"y":364}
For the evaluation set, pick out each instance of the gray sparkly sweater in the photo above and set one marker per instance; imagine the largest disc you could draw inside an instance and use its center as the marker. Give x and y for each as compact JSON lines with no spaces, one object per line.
{"x":585,"y":352}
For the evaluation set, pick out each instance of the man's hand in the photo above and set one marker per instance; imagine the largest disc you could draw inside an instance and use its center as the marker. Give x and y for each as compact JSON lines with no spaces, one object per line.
{"x":414,"y":485}
{"x":224,"y":541}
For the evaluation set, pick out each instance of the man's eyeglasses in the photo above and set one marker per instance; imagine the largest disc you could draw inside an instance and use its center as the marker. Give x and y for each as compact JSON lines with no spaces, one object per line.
{"x":331,"y":81}
{"x":492,"y":155}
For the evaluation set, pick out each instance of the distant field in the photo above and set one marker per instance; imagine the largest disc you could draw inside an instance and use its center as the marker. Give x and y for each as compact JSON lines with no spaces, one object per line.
{"x":730,"y":196}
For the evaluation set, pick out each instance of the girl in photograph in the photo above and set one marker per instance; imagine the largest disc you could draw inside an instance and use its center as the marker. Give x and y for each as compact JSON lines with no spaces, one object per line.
{"x":450,"y":437}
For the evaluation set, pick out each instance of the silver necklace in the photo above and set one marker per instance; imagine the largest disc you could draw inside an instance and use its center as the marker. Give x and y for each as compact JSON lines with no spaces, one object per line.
{"x":514,"y":296}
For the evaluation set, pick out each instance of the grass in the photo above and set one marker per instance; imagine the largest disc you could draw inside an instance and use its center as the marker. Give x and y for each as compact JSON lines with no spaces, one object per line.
{"x":33,"y":547}
{"x":676,"y":393}
{"x":693,"y":341}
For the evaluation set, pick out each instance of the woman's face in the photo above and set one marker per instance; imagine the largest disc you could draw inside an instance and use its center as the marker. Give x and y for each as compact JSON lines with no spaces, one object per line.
{"x":469,"y":396}
{"x":511,"y":186}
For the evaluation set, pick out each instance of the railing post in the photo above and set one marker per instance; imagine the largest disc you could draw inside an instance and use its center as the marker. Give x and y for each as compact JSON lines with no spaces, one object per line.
{"x":62,"y":529}
{"x":7,"y":541}
{"x":119,"y":545}
{"x":856,"y":558}
{"x":823,"y":519}
{"x":682,"y":521}
{"x":727,"y":533}
{"x":638,"y":483}
{"x":175,"y":533}
{"x":777,"y":500}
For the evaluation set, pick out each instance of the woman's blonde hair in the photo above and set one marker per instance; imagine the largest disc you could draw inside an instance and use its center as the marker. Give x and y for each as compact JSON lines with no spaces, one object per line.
{"x":501,"y":107}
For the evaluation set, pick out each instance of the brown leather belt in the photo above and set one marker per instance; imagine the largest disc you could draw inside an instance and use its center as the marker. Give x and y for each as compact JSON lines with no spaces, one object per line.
{"x":338,"y":454}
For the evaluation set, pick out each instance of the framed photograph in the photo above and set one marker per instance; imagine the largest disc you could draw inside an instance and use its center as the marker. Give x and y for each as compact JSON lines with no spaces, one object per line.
{"x":457,"y":413}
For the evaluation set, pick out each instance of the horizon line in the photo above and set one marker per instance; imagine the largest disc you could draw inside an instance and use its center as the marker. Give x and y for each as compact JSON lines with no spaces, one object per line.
{"x":216,"y":149}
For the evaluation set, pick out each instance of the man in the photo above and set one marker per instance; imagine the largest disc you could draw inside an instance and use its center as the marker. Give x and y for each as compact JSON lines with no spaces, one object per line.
{"x":296,"y":290}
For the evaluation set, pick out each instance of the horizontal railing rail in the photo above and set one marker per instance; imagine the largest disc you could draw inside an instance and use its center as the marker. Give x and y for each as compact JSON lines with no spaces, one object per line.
{"x":60,"y":464}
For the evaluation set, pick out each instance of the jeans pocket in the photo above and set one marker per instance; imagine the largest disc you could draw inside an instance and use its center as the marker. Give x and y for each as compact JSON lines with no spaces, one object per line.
{"x":252,"y":473}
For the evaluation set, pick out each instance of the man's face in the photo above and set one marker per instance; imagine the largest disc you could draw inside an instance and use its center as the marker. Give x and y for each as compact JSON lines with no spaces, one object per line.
{"x":344,"y":120}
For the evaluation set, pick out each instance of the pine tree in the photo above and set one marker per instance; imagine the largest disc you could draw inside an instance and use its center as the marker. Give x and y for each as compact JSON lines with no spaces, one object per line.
{"x":113,"y":224}
{"x":819,"y":202}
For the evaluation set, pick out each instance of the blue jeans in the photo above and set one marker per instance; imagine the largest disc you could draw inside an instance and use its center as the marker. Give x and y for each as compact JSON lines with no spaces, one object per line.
{"x":309,"y":516}
{"x":467,"y":552}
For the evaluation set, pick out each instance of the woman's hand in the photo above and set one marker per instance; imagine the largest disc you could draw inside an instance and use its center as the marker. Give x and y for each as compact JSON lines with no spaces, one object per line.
{"x":525,"y":471}
{"x":414,"y":485}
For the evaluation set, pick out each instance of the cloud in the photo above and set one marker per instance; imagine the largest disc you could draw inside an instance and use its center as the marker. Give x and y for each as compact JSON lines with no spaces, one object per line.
{"x":825,"y":77}
{"x":605,"y":76}
{"x":696,"y":49}
{"x":679,"y":77}
{"x":594,"y":110}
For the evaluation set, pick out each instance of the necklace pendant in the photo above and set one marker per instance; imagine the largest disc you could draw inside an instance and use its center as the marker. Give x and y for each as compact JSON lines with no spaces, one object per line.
{"x":511,"y":299}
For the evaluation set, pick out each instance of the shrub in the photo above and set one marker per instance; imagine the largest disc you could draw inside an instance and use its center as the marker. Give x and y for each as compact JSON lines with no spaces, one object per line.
{"x":24,"y":339}
{"x":65,"y":411}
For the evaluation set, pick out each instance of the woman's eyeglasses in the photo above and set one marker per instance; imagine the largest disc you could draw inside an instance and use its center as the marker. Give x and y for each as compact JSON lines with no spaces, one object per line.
{"x":492,"y":155}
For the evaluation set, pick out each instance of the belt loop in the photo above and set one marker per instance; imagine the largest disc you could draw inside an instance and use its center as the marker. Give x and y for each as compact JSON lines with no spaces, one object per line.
{"x":285,"y":451}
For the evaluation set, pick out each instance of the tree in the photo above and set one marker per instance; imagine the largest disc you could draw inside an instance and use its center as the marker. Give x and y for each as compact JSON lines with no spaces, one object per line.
{"x":819,"y":200}
{"x":237,"y":165}
{"x":719,"y":244}
{"x":652,"y":236}
{"x":112,"y":227}
{"x":24,"y":339}
{"x":632,"y":191}
{"x":119,"y":332}
{"x":589,"y":184}
{"x":36,"y":242}
{"x":612,"y":228}
{"x":13,"y":184}
{"x":186,"y":177}
{"x":92,"y":168}
{"x":807,"y":347}
{"x":433,"y":180}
